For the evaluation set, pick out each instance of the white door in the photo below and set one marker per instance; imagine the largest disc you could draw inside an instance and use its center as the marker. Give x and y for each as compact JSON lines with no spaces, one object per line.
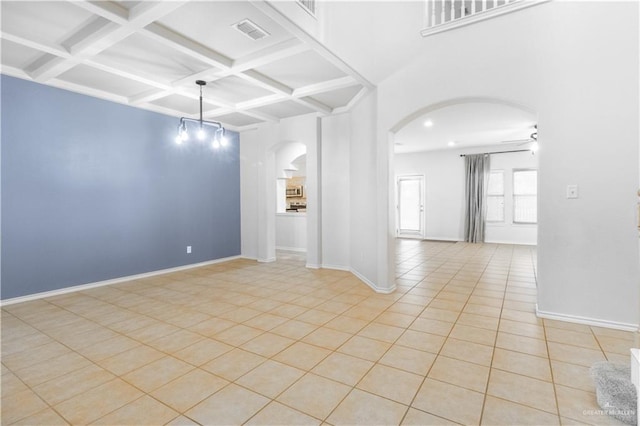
{"x":411,"y":206}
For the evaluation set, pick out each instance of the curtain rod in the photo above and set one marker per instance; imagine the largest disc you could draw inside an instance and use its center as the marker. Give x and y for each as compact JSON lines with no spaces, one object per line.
{"x":498,"y":152}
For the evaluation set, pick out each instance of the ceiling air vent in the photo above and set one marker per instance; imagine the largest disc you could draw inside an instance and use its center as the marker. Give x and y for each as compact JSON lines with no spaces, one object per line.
{"x":308,"y":5}
{"x":250,"y":29}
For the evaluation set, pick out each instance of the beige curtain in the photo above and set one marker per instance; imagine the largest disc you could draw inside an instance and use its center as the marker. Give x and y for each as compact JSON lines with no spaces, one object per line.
{"x":476,"y":180}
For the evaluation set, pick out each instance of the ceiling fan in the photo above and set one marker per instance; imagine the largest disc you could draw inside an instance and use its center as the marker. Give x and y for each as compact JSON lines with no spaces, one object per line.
{"x":533,"y":137}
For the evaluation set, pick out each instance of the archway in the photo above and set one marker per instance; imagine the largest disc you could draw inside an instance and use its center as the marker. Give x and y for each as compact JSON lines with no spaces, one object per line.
{"x":291,"y":200}
{"x":483,"y":125}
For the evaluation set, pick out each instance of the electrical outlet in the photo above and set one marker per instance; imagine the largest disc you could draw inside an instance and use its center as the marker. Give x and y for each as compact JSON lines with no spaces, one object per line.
{"x":188,"y":249}
{"x":572,"y":191}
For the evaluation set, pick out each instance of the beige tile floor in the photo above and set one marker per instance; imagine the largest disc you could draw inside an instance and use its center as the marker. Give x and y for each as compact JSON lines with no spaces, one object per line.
{"x":242,"y":342}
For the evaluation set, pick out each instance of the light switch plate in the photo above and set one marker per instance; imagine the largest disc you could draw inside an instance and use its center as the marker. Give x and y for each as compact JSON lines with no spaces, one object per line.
{"x":572,"y":191}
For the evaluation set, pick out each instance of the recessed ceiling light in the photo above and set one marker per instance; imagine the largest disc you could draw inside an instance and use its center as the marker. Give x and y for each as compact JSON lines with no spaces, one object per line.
{"x":428,"y":123}
{"x":451,"y":143}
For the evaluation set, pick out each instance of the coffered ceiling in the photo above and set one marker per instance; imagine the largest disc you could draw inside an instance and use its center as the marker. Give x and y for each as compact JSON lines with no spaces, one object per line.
{"x":149,"y":54}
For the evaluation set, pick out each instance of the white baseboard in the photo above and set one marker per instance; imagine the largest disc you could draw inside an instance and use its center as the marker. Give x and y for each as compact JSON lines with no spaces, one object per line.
{"x":444,"y":240}
{"x":80,"y":287}
{"x":510,"y":242}
{"x":586,"y":321}
{"x":313,"y":266}
{"x":372,"y":285}
{"x":336,"y":267}
{"x":296,"y":249}
{"x":268,"y":260}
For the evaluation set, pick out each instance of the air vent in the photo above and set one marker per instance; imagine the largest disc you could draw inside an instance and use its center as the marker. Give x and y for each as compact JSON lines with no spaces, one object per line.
{"x":308,"y":5}
{"x":250,"y":29}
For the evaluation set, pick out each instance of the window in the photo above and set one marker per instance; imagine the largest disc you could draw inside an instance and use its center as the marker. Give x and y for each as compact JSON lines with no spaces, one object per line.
{"x":525,"y":196}
{"x":495,"y":197}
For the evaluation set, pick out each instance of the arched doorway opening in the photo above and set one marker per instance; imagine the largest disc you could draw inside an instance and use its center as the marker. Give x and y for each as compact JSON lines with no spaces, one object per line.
{"x":426,"y":156}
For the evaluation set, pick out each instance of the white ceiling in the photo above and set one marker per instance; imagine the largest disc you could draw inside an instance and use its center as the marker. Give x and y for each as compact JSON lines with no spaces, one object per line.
{"x":148,"y":54}
{"x":466,"y":125}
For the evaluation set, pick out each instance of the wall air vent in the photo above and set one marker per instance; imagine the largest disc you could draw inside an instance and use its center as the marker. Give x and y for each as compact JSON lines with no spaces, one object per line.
{"x":250,"y":29}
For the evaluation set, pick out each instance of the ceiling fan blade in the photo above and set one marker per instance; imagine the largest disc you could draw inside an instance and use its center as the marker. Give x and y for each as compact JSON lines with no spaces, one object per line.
{"x":522,"y":141}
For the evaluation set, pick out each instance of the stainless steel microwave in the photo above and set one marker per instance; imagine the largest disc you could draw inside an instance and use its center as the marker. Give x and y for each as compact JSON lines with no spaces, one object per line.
{"x":294,"y":191}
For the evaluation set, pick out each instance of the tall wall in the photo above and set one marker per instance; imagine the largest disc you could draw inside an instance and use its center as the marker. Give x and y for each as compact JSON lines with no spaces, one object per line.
{"x":365,"y":213}
{"x":336,"y":196}
{"x":576,"y":65}
{"x":93,"y":190}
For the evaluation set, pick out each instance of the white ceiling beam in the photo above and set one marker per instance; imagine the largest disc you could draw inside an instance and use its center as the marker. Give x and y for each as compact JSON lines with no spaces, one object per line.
{"x":253,"y":114}
{"x":269,"y":55}
{"x":106,"y":9}
{"x":52,"y":49}
{"x":268,"y":9}
{"x":325,"y":86}
{"x":14,"y":72}
{"x":210,"y":74}
{"x":264,"y":56}
{"x":149,"y":96}
{"x":102,"y":37}
{"x":79,"y":88}
{"x":187,"y":46}
{"x":263,"y":101}
{"x":352,"y":102}
{"x":313,"y":104}
{"x":260,"y":116}
{"x":115,"y":70}
{"x":265,"y":82}
{"x":150,"y":11}
{"x":95,"y":37}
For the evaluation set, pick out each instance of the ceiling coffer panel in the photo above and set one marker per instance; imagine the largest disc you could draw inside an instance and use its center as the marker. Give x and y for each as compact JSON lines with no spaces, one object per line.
{"x":284,"y":109}
{"x":45,"y":22}
{"x":212,"y":24}
{"x":150,"y":53}
{"x":101,"y":80}
{"x":338,"y":98}
{"x":17,"y":56}
{"x":149,"y":57}
{"x":236,"y":119}
{"x":180,"y":103}
{"x":234,"y":89}
{"x":301,"y":70}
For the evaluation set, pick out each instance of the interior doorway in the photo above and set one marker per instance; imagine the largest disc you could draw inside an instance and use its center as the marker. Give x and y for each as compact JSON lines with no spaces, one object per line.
{"x":291,"y":201}
{"x":410,"y":206}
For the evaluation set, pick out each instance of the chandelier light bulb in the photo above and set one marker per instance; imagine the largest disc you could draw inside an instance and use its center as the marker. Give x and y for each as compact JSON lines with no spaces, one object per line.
{"x":535,"y":147}
{"x":205,"y":128}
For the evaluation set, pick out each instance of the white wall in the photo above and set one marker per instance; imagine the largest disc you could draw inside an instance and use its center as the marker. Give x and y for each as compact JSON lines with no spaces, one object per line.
{"x":249,"y":187}
{"x":444,"y":190}
{"x":336,"y":196}
{"x":576,"y":65}
{"x":291,"y":231}
{"x":368,"y":249}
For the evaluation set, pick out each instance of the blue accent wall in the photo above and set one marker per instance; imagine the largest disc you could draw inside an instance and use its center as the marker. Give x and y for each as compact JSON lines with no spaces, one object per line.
{"x":94,"y":190}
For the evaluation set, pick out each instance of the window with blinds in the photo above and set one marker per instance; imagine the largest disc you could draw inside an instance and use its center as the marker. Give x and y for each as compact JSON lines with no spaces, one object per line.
{"x":495,"y":197}
{"x":525,"y":196}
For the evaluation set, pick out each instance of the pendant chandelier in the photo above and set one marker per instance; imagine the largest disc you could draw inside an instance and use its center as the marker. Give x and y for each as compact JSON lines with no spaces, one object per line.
{"x":206,"y":129}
